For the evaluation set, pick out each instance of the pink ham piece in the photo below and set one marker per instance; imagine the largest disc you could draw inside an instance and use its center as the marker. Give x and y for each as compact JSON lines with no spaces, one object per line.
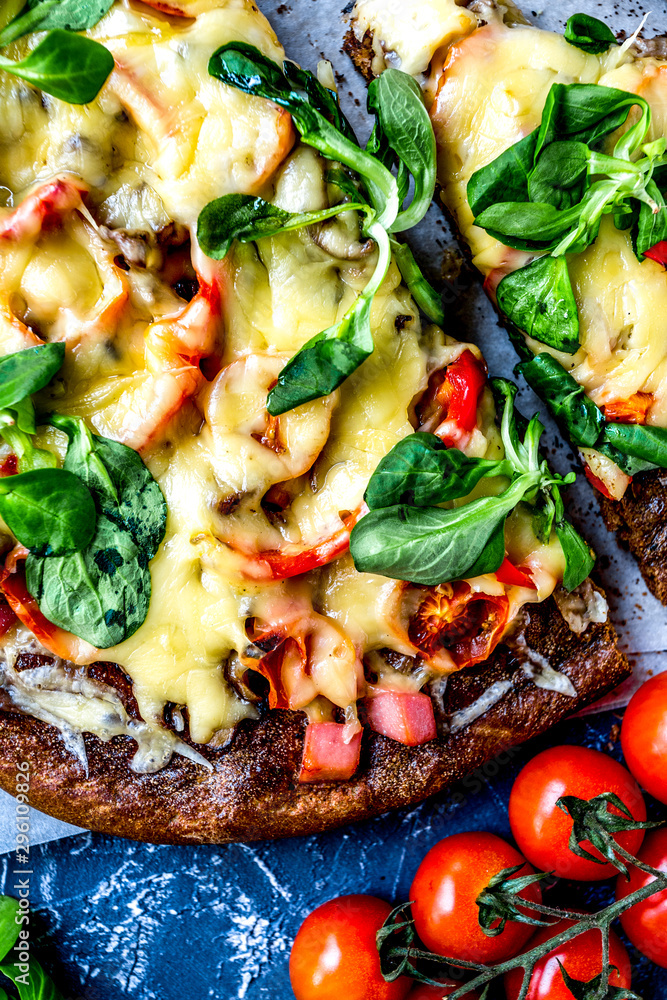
{"x":326,"y":755}
{"x":404,"y":716}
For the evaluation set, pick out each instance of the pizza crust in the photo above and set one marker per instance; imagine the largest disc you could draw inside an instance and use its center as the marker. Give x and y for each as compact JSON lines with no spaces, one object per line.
{"x":252,"y":792}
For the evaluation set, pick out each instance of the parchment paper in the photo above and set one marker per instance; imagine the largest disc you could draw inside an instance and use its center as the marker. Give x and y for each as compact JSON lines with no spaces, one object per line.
{"x":313,"y":29}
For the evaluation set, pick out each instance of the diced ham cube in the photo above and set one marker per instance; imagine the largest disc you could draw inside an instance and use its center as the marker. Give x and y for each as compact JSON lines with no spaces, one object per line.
{"x":405,"y":716}
{"x":326,"y":755}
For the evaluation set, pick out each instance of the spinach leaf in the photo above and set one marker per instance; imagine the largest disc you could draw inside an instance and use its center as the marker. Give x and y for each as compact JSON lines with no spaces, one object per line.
{"x":560,"y":173}
{"x":538,"y":299}
{"x":528,"y":226}
{"x":325,"y":361}
{"x":579,"y":558}
{"x":9,"y":929}
{"x":246,"y":217}
{"x":420,"y":470}
{"x":585,"y":112}
{"x":122,"y":485}
{"x":513,"y":422}
{"x":492,"y":554}
{"x":102,"y":594}
{"x":424,"y":294}
{"x":68,"y":66}
{"x":505,"y":178}
{"x":44,"y":15}
{"x":320,"y":97}
{"x":243,"y":66}
{"x":40,"y":986}
{"x":329,"y":357}
{"x":649,"y":444}
{"x":566,"y":399}
{"x":629,"y":464}
{"x":589,"y":34}
{"x":429,"y":545}
{"x":397,"y":101}
{"x":26,"y":372}
{"x":17,"y":424}
{"x":49,"y":510}
{"x":650,"y":227}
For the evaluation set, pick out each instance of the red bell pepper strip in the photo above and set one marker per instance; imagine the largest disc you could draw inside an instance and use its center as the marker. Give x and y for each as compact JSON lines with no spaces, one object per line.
{"x":658,"y":253}
{"x":597,"y":484}
{"x":630,"y":411}
{"x":26,"y":609}
{"x":465,"y":379}
{"x":294,"y":559}
{"x":404,"y":716}
{"x":326,"y":755}
{"x":511,"y":575}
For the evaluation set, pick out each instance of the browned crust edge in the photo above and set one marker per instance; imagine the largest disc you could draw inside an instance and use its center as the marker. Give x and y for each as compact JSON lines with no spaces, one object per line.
{"x":252,"y":792}
{"x":640,"y":523}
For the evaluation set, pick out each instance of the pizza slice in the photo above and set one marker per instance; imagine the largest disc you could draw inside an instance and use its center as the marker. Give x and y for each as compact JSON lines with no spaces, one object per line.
{"x":277,"y":554}
{"x":551,"y":163}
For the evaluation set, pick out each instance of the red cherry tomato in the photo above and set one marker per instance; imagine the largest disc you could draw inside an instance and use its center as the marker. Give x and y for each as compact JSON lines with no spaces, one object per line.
{"x":334,"y":956}
{"x":444,"y":891}
{"x":646,"y":923}
{"x":542,"y":830}
{"x":581,"y":957}
{"x":423,"y":992}
{"x":644,"y":736}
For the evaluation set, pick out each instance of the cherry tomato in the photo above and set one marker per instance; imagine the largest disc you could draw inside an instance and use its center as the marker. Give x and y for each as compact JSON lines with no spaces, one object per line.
{"x":423,"y":992}
{"x":646,"y":923}
{"x":581,"y":957}
{"x":644,"y":736}
{"x":453,"y":617}
{"x":542,"y":830}
{"x":334,"y":955}
{"x":444,"y":891}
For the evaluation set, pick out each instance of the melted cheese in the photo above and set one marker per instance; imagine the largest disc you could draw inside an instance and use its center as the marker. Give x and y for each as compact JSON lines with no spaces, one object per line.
{"x":161,"y":140}
{"x":492,"y":86}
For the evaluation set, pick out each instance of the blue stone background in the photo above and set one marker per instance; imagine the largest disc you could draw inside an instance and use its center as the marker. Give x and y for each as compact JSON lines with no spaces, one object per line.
{"x":120,"y":919}
{"x":115,"y":918}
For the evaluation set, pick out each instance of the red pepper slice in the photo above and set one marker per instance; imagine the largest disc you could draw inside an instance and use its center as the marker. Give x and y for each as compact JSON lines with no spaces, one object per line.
{"x":632,"y":410}
{"x":466,"y":377}
{"x":658,"y":253}
{"x":511,"y":575}
{"x":596,"y":483}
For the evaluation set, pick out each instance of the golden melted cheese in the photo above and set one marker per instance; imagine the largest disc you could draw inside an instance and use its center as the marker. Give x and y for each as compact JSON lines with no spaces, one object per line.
{"x":160,"y":141}
{"x":490,"y":93}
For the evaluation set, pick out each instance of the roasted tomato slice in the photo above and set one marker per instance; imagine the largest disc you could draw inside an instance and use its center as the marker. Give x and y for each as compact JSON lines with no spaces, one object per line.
{"x":630,"y":411}
{"x":454,"y":619}
{"x":449,"y":406}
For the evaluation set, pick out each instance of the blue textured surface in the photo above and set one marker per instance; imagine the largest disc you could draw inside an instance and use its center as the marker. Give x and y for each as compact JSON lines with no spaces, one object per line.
{"x":122,"y":919}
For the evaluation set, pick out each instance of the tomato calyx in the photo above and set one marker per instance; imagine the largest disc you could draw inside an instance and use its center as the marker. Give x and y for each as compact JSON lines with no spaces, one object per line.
{"x":595,"y":987}
{"x":401,"y":954}
{"x":593,"y":823}
{"x":499,"y":901}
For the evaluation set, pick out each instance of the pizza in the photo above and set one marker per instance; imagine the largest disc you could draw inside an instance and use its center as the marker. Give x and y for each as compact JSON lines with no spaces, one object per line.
{"x":583,"y":301}
{"x":277,"y":553}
